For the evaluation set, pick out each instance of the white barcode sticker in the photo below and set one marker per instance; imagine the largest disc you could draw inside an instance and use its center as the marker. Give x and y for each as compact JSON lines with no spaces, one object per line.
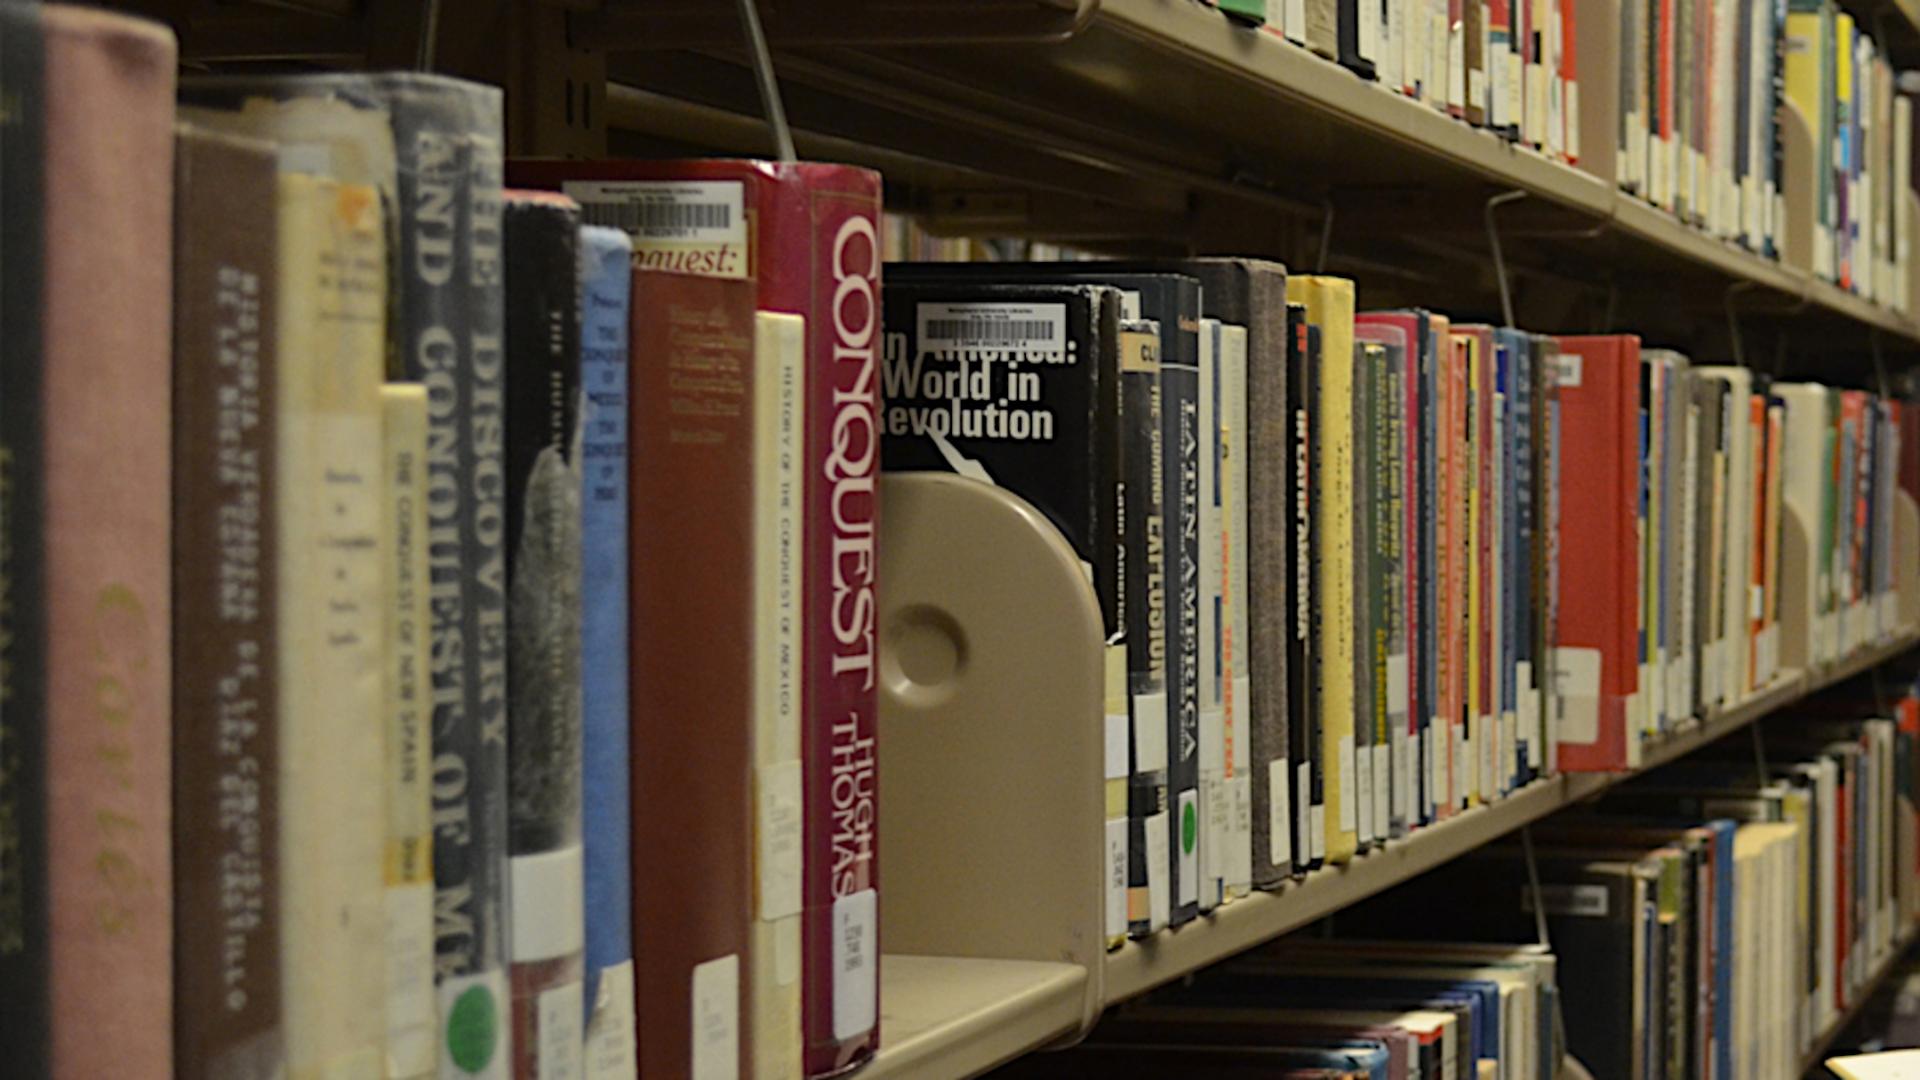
{"x":1280,"y":823}
{"x":710,"y":210}
{"x":609,"y":1051}
{"x":1117,"y":878}
{"x":561,"y":1040}
{"x":1576,"y":673}
{"x":1018,"y":328}
{"x":1150,"y":732}
{"x":1343,"y":762}
{"x":1382,"y":790}
{"x":1303,"y":805}
{"x":1239,"y":863}
{"x":856,"y":964}
{"x":780,"y":841}
{"x":715,"y":1019}
{"x":1361,"y":794}
{"x":1116,"y":745}
{"x":1159,"y":898}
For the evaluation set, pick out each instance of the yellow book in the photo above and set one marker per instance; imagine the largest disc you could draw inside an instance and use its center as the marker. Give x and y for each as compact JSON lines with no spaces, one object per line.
{"x":1806,"y":51}
{"x":1844,"y":267}
{"x":1329,"y":302}
{"x":779,"y":429}
{"x":411,"y":1005}
{"x":1477,"y":720}
{"x":329,"y":508}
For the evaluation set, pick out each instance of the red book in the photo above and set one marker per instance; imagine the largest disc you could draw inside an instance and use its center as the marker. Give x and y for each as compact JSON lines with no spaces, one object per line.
{"x":691,"y":484}
{"x":1453,"y":572}
{"x":1596,"y":641}
{"x":808,"y":236}
{"x":1907,"y":422}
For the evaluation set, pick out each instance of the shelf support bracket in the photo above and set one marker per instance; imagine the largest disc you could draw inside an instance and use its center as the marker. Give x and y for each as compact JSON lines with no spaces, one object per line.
{"x":1500,"y":268}
{"x":769,"y":86}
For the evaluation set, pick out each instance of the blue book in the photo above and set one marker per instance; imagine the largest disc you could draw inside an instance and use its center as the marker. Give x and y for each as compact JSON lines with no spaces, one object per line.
{"x":605,"y":276}
{"x":1325,"y":989}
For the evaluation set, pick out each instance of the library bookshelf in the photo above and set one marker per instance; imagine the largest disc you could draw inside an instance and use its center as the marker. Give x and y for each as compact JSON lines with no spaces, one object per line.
{"x":1114,"y":124}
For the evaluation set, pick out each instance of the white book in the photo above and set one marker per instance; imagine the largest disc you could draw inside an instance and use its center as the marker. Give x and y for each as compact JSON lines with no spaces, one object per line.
{"x":1807,"y":465}
{"x":1737,"y":545}
{"x":1231,"y":355}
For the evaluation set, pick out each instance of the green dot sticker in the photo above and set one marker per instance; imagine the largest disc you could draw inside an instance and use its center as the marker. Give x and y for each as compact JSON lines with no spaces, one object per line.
{"x":472,"y":1027}
{"x":1189,"y":826}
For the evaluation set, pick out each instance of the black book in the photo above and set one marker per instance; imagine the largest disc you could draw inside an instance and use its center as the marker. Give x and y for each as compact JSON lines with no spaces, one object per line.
{"x":1352,"y":56}
{"x":1427,"y":646}
{"x":1253,"y":293}
{"x":1144,"y":557}
{"x":1020,"y":386}
{"x":25,"y":973}
{"x":445,"y":329}
{"x":1172,"y":301}
{"x":1302,"y":661}
{"x":542,"y":278}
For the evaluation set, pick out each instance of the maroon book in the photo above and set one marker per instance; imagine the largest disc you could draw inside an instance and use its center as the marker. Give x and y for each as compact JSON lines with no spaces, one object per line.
{"x":809,"y":237}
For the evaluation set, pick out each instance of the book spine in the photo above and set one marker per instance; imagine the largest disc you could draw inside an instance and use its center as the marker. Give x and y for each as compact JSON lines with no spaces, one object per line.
{"x":1267,"y":508}
{"x":225,"y":697}
{"x":1316,"y":756}
{"x":1238,"y":682}
{"x":779,"y":418}
{"x":691,"y":466}
{"x":1433,"y":350}
{"x":103,"y":480}
{"x":331,"y":514}
{"x":542,"y":544}
{"x":24,"y":872}
{"x":448,"y":334}
{"x":1180,"y":441}
{"x":605,"y":293}
{"x":1297,"y":589}
{"x":1522,"y":458}
{"x":1368,"y":635}
{"x":1394,"y":774}
{"x":1144,"y":541}
{"x":1212,"y":566}
{"x":408,"y":861}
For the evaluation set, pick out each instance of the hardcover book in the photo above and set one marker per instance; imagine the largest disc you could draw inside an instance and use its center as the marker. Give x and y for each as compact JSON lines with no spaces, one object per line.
{"x":542,"y":543}
{"x":412,"y":1016}
{"x":1144,"y":542}
{"x":691,"y":466}
{"x":98,"y":478}
{"x":1595,"y":652}
{"x":226,"y":979}
{"x":606,"y":292}
{"x":1300,"y":588}
{"x":1329,"y":304}
{"x":25,"y":871}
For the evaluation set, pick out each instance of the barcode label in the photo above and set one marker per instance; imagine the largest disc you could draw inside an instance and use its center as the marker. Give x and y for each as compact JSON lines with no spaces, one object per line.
{"x":660,"y":218}
{"x":989,"y":332}
{"x":1014,"y":327}
{"x":663,"y":216}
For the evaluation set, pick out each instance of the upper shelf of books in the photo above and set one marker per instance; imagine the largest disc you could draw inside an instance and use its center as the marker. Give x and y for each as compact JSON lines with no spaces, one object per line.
{"x":1140,"y":123}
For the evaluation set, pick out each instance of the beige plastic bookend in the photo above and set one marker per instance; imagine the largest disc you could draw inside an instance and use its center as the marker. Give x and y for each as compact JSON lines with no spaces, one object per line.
{"x":991,"y":748}
{"x":1796,"y":566}
{"x":1799,"y":188}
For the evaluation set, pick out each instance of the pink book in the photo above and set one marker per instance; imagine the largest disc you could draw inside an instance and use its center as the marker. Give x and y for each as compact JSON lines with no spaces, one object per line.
{"x":105,"y":392}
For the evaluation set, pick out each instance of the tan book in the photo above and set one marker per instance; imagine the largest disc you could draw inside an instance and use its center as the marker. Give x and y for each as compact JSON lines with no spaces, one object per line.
{"x":407,"y":864}
{"x":102,"y":467}
{"x":779,"y":428}
{"x":329,"y":513}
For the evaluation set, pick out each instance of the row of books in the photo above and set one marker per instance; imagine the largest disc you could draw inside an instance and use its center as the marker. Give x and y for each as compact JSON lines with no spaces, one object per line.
{"x":1842,"y":85}
{"x":1347,"y":1009}
{"x":1505,"y":65}
{"x":1716,"y":917}
{"x":1699,"y":86}
{"x":1350,"y":588}
{"x":438,"y":632}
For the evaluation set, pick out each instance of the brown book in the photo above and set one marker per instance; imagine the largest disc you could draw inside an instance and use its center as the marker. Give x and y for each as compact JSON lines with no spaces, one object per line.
{"x":691,"y":588}
{"x":1474,"y":31}
{"x":105,"y":386}
{"x":226,"y":853}
{"x":1323,"y":27}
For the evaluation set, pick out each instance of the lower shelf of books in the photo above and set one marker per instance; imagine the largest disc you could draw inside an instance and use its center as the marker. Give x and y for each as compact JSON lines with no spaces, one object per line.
{"x":1817,"y":1050}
